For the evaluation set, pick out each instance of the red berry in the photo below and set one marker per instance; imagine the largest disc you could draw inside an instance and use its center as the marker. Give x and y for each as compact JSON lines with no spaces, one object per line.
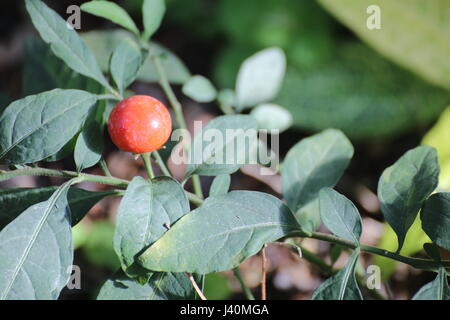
{"x":139,"y":124}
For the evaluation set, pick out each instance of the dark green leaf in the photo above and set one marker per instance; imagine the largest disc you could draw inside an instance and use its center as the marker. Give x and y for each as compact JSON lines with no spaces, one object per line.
{"x":312,"y":164}
{"x":145,"y":213}
{"x":404,"y":186}
{"x":340,"y":215}
{"x":103,"y":43}
{"x":125,"y":63}
{"x":341,"y":286}
{"x":224,"y":145}
{"x":152,"y":13}
{"x":89,"y":145}
{"x":220,"y":234}
{"x":65,"y":42}
{"x":38,"y":126}
{"x":438,"y":289}
{"x":111,"y":11}
{"x":14,"y":201}
{"x":161,"y":286}
{"x":36,"y":250}
{"x":43,"y":71}
{"x":220,"y":185}
{"x":435,"y":218}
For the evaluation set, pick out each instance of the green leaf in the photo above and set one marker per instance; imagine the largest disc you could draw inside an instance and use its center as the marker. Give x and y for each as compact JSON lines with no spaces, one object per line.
{"x":340,"y":215}
{"x":38,"y":126}
{"x":104,"y":42}
{"x":145,"y":213}
{"x":271,"y":116}
{"x":126,"y":61}
{"x":43,"y":71}
{"x":220,"y":185}
{"x":260,"y":78}
{"x":312,"y":164}
{"x":152,"y":14}
{"x":360,"y":93}
{"x":161,"y":286}
{"x":35,"y":245}
{"x":438,"y":289}
{"x":224,"y":145}
{"x":404,"y":186}
{"x":341,"y":286}
{"x":89,"y":145}
{"x":407,"y":27}
{"x":220,"y":234}
{"x":64,"y":41}
{"x":65,"y":151}
{"x":435,"y":218}
{"x":200,"y":89}
{"x":14,"y":201}
{"x":111,"y":11}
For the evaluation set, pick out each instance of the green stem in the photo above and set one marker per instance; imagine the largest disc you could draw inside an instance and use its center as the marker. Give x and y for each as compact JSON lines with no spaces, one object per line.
{"x":37,"y":171}
{"x":177,"y":108}
{"x":248,"y":294}
{"x":148,"y":164}
{"x":161,"y":163}
{"x":105,"y":168}
{"x":424,"y":264}
{"x":197,"y":186}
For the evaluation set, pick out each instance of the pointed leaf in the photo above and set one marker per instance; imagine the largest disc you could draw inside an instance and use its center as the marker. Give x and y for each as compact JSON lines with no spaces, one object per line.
{"x":200,"y":89}
{"x":438,"y":289}
{"x":341,"y":286}
{"x":152,"y":13}
{"x":220,"y":185}
{"x":111,"y":11}
{"x":224,"y":145}
{"x":220,"y":234}
{"x":340,"y":215}
{"x":126,"y":61}
{"x":404,"y":186}
{"x":36,"y":250}
{"x":435,"y":218}
{"x":14,"y":201}
{"x":161,"y":286}
{"x":271,"y":116}
{"x":260,"y":78}
{"x":65,"y":42}
{"x":35,"y":127}
{"x":312,"y":164}
{"x":145,"y":213}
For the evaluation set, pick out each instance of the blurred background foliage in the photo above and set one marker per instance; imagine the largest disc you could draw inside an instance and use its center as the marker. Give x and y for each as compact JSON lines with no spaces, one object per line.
{"x":387,"y":92}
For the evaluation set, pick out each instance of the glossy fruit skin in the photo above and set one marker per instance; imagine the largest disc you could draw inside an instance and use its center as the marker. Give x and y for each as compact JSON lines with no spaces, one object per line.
{"x":139,"y":124}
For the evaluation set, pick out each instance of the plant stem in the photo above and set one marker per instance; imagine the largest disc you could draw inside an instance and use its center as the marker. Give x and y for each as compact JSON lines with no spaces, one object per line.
{"x":37,"y":171}
{"x":424,"y":264}
{"x":178,"y":110}
{"x":196,"y":287}
{"x":105,"y":168}
{"x":161,"y":163}
{"x":248,"y":294}
{"x":148,"y":164}
{"x":264,"y":274}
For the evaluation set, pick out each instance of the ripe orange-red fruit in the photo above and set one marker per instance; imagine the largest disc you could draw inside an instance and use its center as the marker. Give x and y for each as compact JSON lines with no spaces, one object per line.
{"x":139,"y":124}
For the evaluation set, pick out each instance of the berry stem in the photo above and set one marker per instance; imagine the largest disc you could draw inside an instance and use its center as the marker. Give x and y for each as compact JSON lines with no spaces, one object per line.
{"x":148,"y":164}
{"x":161,"y":163}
